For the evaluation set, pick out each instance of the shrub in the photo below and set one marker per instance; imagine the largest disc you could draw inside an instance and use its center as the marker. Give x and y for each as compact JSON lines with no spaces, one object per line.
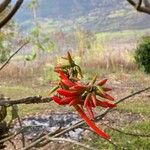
{"x":142,"y":54}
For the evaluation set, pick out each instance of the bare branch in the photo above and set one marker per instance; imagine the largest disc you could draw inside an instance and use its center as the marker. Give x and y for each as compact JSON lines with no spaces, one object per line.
{"x":27,"y":100}
{"x":138,"y":7}
{"x":13,"y":144}
{"x":4,"y":4}
{"x":81,"y":123}
{"x":11,"y":13}
{"x":8,"y":60}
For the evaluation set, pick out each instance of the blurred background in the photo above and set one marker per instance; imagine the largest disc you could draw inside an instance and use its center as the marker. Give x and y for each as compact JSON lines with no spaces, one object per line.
{"x":102,"y":37}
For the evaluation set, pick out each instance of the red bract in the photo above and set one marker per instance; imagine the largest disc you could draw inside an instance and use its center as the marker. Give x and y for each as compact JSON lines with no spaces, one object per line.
{"x":91,"y":124}
{"x":68,"y":93}
{"x":107,"y":96}
{"x":106,"y":89}
{"x":102,"y":82}
{"x":94,"y":99}
{"x":78,"y":87}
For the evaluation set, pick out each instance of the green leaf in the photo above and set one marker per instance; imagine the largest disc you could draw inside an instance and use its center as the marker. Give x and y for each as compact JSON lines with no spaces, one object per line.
{"x":31,"y":57}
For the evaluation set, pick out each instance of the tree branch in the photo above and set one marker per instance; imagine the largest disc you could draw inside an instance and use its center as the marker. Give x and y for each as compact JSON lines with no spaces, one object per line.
{"x":138,"y":7}
{"x":8,"y":60}
{"x":27,"y":100}
{"x":11,"y":13}
{"x":4,"y":4}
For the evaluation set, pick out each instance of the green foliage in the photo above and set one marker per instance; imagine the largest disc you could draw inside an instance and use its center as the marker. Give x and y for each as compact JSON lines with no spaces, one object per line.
{"x":142,"y":54}
{"x":31,"y":57}
{"x":5,"y":47}
{"x":4,"y":53}
{"x":40,"y":40}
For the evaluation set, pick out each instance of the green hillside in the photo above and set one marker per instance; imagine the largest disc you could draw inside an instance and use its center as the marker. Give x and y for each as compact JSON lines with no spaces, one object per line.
{"x":106,"y":15}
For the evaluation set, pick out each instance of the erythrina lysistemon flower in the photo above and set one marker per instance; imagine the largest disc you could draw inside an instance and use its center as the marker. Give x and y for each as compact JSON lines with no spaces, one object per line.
{"x":71,"y":91}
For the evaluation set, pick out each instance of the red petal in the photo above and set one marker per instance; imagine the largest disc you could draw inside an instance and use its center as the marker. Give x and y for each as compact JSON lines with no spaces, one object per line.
{"x":106,"y":89}
{"x":91,"y":124}
{"x":75,"y":101}
{"x":87,"y":99}
{"x":94,"y":99}
{"x":78,"y":87}
{"x":102,"y":82}
{"x":68,"y":82}
{"x":67,"y":100}
{"x":57,"y":100}
{"x":63,"y":75}
{"x":105,"y":104}
{"x":107,"y":96}
{"x":89,"y":109}
{"x":68,"y":93}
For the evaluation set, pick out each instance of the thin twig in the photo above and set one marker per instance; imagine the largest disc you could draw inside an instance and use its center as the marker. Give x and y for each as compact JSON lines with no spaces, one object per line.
{"x":128,"y":133}
{"x":13,"y":144}
{"x":8,"y":60}
{"x":71,"y":141}
{"x":10,"y":137}
{"x":81,"y":123}
{"x":22,"y":133}
{"x":44,"y":142}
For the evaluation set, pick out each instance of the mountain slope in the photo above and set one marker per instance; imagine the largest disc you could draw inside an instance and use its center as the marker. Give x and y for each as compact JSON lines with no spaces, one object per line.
{"x":105,"y":15}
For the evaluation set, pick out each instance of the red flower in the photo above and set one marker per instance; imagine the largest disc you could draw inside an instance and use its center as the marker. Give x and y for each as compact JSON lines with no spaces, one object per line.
{"x":73,"y":93}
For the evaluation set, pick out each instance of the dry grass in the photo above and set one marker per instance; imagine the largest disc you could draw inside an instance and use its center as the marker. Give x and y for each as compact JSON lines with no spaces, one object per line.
{"x":109,"y":60}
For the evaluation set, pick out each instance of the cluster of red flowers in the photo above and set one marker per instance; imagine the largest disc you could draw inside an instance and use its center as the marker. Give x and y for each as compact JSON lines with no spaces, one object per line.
{"x":72,"y":92}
